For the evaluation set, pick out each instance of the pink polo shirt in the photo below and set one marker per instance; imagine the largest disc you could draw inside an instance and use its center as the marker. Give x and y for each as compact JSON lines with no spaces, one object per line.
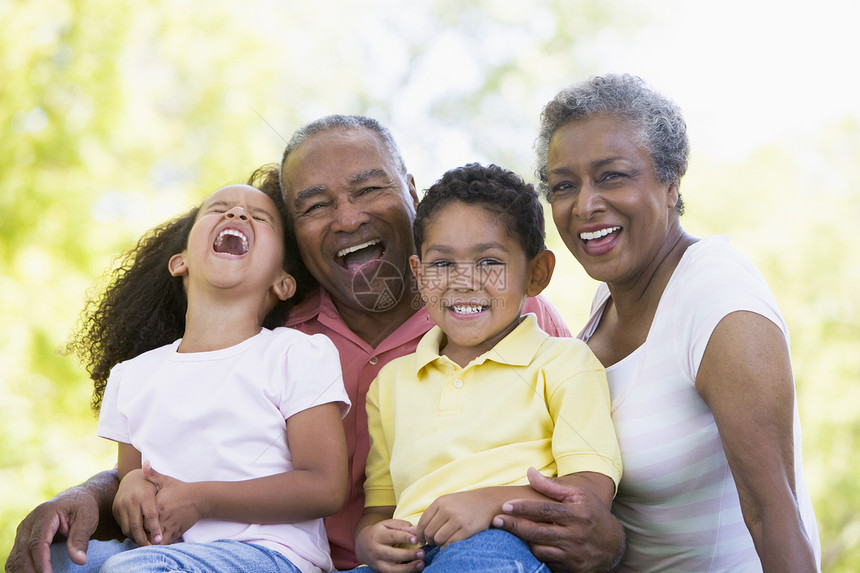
{"x":361,"y":363}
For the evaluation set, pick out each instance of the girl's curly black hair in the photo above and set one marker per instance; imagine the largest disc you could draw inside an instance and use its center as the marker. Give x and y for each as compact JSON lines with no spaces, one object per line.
{"x":143,"y":306}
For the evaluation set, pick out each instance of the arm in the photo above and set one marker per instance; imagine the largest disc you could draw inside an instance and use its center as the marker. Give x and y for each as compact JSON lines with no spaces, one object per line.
{"x":316,"y":487}
{"x":379,"y":540}
{"x":78,"y":513}
{"x":571,"y":533}
{"x":458,"y":516}
{"x":745,"y":378}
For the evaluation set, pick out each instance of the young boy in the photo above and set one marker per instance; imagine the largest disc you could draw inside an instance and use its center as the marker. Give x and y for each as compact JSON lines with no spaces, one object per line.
{"x":487,"y":395}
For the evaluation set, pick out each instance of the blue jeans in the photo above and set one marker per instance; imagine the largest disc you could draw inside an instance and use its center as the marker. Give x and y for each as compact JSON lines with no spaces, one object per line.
{"x":490,"y":551}
{"x":216,"y":556}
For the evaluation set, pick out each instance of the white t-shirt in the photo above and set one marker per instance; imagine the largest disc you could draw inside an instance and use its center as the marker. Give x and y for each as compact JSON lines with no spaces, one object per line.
{"x":220,"y":416}
{"x":677,"y":499}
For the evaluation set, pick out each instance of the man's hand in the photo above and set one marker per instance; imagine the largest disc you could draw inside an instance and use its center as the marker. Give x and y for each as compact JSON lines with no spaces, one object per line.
{"x":575,"y":533}
{"x":73,"y":514}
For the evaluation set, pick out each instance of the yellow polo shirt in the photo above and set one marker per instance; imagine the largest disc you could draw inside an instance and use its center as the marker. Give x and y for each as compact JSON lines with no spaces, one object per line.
{"x":436,"y":428}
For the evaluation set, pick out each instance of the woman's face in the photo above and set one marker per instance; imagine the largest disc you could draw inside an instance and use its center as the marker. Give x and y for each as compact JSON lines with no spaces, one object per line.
{"x":610,"y":210}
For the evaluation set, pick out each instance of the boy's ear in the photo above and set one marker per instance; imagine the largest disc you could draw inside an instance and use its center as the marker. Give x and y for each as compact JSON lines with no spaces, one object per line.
{"x":285,"y":287}
{"x":176,"y":265}
{"x":418,"y":271}
{"x":542,"y":266}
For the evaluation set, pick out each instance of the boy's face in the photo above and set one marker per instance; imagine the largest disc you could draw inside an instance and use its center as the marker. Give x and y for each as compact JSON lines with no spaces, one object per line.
{"x":474,"y":279}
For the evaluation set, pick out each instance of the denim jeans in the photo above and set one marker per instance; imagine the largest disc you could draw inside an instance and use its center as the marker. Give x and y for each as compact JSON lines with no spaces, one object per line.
{"x":216,"y":556}
{"x":490,"y":551}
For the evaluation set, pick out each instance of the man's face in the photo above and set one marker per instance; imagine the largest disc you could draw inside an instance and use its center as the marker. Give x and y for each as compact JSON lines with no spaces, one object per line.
{"x":352,"y":211}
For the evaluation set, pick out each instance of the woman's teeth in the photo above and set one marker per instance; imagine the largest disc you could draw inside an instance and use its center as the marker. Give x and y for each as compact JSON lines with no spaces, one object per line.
{"x":598,"y":234}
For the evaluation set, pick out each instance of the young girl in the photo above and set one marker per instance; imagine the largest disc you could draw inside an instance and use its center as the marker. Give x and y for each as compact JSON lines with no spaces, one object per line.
{"x":245,"y":420}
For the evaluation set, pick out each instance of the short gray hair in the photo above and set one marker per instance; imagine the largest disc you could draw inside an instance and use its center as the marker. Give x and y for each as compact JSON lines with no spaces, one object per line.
{"x":344,"y":122}
{"x":661,"y":126}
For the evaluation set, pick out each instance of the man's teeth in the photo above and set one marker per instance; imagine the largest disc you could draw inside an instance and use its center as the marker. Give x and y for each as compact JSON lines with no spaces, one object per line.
{"x":348,"y":250}
{"x":234,"y":233}
{"x":467,"y":308}
{"x":598,"y":234}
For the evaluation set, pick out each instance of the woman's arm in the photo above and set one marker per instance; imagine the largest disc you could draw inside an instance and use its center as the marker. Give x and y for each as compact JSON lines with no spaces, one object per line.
{"x":316,"y":487}
{"x":745,"y":378}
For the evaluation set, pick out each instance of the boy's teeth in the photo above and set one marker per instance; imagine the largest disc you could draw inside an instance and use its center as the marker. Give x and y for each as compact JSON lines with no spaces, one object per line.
{"x":598,"y":234}
{"x":348,"y":250}
{"x":467,"y":308}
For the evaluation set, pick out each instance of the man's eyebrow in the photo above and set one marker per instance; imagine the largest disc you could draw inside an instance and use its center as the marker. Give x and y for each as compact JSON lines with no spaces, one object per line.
{"x":309,"y":192}
{"x":368,"y":174}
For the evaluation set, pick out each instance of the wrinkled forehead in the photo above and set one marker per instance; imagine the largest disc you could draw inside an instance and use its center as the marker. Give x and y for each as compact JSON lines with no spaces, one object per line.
{"x":333,"y":156}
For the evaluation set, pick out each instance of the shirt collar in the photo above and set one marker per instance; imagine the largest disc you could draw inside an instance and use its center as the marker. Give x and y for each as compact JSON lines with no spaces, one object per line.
{"x":516,"y":349}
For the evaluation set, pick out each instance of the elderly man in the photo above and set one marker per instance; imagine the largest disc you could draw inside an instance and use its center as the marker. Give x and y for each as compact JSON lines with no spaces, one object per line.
{"x":352,"y":204}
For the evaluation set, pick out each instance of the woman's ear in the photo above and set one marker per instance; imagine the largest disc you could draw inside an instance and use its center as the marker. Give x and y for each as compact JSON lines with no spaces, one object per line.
{"x":542,"y":266}
{"x":285,"y":287}
{"x":176,"y":265}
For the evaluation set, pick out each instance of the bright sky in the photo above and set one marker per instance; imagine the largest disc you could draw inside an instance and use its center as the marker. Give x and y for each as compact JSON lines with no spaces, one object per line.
{"x":746,"y":72}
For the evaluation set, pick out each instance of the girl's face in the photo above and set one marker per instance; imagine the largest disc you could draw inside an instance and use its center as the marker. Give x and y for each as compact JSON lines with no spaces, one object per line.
{"x":236,"y":242}
{"x":611,"y":211}
{"x":474,"y":278}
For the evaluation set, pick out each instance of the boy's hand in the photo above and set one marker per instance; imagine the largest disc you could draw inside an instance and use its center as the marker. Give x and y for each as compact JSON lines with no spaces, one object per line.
{"x":177,"y":504}
{"x":135,"y":509}
{"x":378,"y":546}
{"x":456,"y":516}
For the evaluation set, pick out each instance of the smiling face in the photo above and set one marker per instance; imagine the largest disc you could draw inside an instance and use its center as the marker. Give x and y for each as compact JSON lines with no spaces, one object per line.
{"x":352,"y":211}
{"x":236,"y":244}
{"x":613,"y":214}
{"x":474,"y":278}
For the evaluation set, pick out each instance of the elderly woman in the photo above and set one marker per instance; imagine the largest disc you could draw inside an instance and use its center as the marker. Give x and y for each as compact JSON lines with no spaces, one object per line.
{"x":696,"y":352}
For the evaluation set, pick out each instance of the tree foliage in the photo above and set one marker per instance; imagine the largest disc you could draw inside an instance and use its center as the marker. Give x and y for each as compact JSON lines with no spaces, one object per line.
{"x":120,"y":114}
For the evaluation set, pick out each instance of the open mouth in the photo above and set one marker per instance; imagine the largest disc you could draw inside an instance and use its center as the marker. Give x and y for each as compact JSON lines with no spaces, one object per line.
{"x":597,"y":235}
{"x":231,"y":242}
{"x":358,"y":255}
{"x":466,"y":309}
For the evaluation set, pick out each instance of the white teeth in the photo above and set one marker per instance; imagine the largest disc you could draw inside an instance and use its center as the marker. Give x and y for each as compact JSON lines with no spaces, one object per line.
{"x":348,"y":250}
{"x":598,"y":234}
{"x":467,"y":308}
{"x":235,"y":233}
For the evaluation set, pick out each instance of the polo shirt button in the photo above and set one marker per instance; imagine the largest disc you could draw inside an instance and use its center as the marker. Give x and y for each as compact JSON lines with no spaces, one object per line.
{"x":374,"y":360}
{"x":458,"y":383}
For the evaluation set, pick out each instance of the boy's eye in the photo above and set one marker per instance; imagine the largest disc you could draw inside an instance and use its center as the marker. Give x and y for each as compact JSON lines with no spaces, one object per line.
{"x":488,"y":262}
{"x":439,"y":264}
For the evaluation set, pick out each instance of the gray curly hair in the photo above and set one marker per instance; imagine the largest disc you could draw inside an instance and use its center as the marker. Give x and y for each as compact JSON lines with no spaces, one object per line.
{"x":662,"y":129}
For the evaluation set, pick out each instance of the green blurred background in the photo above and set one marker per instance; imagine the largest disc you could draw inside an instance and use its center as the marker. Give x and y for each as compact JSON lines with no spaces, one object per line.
{"x":117,"y":115}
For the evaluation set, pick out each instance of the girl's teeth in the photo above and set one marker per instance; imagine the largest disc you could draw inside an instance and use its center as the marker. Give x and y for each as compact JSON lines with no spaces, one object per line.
{"x":598,"y":234}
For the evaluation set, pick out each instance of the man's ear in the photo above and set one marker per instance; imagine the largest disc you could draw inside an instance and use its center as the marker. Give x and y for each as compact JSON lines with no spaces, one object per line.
{"x":413,"y":190}
{"x":176,"y":265}
{"x":285,"y":287}
{"x":541,"y":268}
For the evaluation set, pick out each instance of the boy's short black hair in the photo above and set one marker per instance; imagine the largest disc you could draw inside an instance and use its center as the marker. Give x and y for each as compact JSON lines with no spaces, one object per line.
{"x":497,"y":190}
